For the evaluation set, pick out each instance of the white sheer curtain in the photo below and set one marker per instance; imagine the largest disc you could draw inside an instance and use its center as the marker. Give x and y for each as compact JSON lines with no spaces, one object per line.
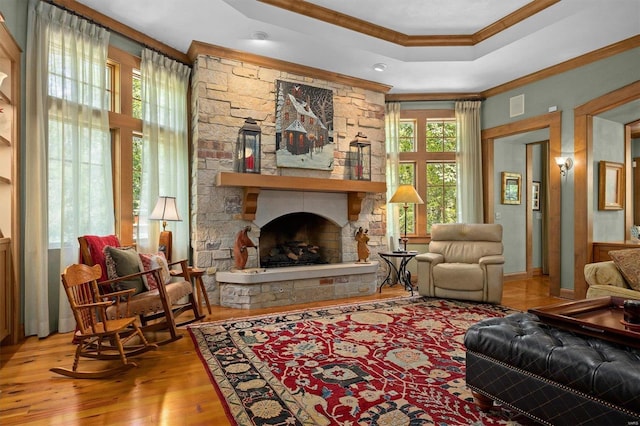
{"x":470,"y":206}
{"x":392,"y":128}
{"x":165,"y":162}
{"x":68,"y":182}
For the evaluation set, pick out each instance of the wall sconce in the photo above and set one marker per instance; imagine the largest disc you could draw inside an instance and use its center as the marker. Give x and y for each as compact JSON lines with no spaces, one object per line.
{"x":360,"y":158}
{"x":565,"y":164}
{"x":247,"y":158}
{"x":165,"y":210}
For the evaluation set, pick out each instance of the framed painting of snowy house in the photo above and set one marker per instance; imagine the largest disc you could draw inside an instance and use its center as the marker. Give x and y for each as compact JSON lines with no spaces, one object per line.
{"x":304,"y":126}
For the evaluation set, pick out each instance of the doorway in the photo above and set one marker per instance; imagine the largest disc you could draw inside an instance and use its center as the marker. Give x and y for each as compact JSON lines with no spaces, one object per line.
{"x":537,"y":262}
{"x":552,"y":122}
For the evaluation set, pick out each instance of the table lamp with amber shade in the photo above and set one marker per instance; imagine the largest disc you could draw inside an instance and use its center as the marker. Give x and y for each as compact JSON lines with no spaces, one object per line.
{"x":165,"y":210}
{"x":406,"y":194}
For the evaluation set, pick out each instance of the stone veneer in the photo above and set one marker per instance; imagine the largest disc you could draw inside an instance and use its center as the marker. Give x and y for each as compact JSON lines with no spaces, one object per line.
{"x":224,"y":93}
{"x":296,"y":284}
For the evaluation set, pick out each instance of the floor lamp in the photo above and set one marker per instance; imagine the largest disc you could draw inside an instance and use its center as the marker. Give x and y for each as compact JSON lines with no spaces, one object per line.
{"x":406,"y":194}
{"x":165,"y":210}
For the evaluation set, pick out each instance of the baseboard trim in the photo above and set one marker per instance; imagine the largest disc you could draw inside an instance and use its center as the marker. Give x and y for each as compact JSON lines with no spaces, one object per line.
{"x":516,"y":276}
{"x":567,"y":293}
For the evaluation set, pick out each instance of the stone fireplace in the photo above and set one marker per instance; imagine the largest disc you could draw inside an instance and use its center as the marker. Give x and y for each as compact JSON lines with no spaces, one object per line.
{"x":227,"y":89}
{"x":289,"y":223}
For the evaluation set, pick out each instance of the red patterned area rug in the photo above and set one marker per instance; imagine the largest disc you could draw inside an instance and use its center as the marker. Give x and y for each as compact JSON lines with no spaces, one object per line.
{"x":394,"y":362}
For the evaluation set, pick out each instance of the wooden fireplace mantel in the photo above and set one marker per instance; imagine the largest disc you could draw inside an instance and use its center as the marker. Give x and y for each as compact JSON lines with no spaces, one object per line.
{"x":356,"y":190}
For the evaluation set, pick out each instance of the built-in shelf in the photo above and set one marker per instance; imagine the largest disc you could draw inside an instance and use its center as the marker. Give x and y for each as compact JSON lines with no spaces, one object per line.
{"x":252,"y":183}
{"x":10,"y":219}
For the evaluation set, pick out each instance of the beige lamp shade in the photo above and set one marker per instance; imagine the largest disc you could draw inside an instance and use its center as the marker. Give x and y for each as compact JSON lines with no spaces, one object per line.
{"x":165,"y":210}
{"x":406,"y":194}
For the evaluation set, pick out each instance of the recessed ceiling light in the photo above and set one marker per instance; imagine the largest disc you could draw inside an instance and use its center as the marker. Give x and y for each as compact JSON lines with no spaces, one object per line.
{"x":380,"y":67}
{"x":259,"y":35}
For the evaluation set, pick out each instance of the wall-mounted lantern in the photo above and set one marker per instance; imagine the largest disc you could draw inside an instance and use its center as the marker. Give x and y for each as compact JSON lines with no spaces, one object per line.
{"x":247,"y":158}
{"x":360,"y":158}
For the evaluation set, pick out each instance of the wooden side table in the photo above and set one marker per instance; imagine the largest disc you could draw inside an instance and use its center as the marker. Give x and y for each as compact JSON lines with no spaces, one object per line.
{"x":196,"y":274}
{"x":198,"y":286}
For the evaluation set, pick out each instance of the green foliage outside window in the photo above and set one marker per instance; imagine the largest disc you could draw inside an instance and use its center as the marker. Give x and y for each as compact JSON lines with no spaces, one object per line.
{"x":441,"y":136}
{"x":407,"y":139}
{"x":137,"y":95}
{"x":441,"y":177}
{"x":441,"y":193}
{"x":137,"y":172}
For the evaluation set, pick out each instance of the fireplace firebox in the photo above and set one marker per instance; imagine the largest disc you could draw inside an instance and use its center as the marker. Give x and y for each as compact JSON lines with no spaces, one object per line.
{"x":298,"y":239}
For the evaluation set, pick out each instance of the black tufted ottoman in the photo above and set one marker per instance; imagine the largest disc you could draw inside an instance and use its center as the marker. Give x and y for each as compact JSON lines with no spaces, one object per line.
{"x":551,"y":375}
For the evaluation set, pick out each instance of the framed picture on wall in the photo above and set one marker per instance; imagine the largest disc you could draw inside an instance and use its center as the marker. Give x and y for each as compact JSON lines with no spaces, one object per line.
{"x":511,"y":187}
{"x":304,"y":126}
{"x":535,"y":196}
{"x":610,"y":185}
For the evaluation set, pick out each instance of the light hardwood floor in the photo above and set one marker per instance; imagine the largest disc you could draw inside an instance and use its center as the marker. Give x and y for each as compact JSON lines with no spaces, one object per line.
{"x":170,"y":385}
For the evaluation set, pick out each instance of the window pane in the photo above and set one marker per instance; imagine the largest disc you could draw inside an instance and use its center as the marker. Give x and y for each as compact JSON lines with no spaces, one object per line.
{"x":65,"y":71}
{"x":407,"y":136}
{"x":137,"y":94}
{"x":450,"y":136}
{"x":434,"y":207}
{"x":137,"y":180}
{"x":441,"y":136}
{"x":407,"y":173}
{"x":449,"y":174}
{"x":109,"y":77}
{"x":450,"y":205}
{"x":441,"y":193}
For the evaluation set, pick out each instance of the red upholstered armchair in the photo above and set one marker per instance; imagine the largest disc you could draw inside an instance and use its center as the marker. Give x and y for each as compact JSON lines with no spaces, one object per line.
{"x":157,"y":295}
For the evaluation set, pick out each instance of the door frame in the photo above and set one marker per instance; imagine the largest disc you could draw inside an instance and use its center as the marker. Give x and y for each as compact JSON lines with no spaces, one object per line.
{"x":530,"y":211}
{"x":553,"y":122}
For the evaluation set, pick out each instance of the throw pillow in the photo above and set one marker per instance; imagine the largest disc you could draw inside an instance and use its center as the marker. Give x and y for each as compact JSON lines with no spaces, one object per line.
{"x":628,"y":263}
{"x":153,"y":261}
{"x":121,"y":261}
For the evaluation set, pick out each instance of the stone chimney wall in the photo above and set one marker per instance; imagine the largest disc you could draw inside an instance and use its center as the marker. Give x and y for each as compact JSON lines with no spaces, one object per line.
{"x":224,"y":93}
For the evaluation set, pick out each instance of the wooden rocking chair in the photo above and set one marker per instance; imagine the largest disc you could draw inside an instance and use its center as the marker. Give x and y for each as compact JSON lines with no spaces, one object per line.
{"x":96,"y":336}
{"x":156,"y":309}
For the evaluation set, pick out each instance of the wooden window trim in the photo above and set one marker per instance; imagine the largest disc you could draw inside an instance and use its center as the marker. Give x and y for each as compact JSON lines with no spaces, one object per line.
{"x":420,"y":157}
{"x":123,"y":128}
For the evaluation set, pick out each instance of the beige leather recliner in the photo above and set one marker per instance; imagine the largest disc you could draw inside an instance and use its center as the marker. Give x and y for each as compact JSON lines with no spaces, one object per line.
{"x":465,"y":261}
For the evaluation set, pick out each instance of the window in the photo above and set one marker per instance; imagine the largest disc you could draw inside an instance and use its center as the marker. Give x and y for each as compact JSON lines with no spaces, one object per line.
{"x":427,"y":145}
{"x":125,"y":121}
{"x":76,"y":139}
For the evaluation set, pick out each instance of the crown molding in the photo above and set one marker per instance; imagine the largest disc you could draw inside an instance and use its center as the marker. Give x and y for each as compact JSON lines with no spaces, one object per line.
{"x":364,"y":27}
{"x":200,"y":48}
{"x":423,"y":97}
{"x":587,"y":58}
